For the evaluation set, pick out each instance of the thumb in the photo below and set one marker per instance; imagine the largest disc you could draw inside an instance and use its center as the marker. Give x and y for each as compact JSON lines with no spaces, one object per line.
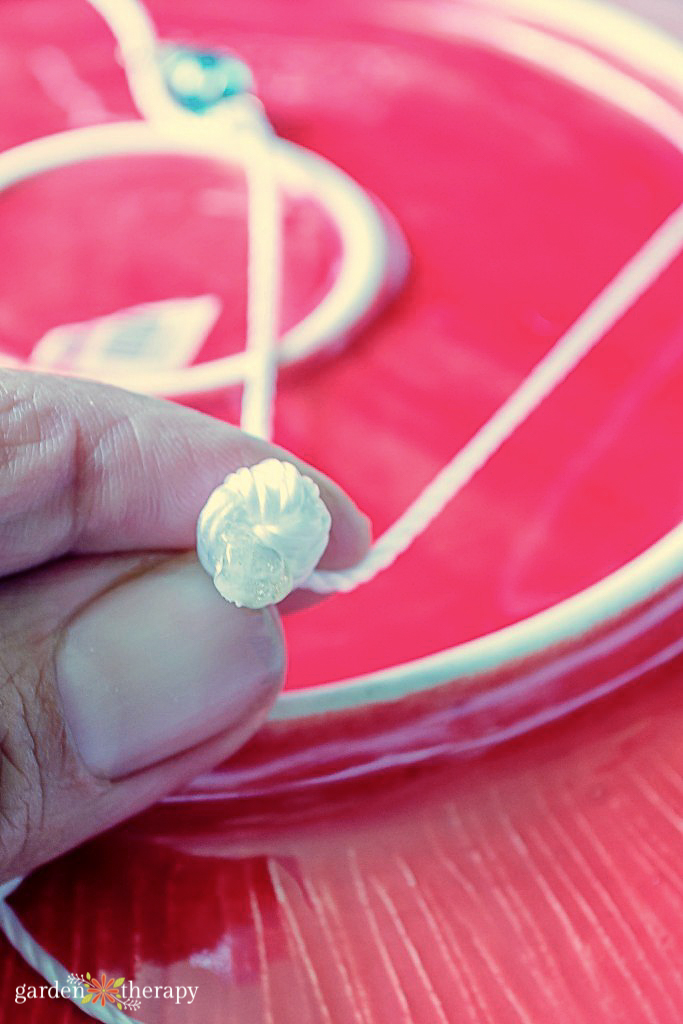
{"x":120,"y":679}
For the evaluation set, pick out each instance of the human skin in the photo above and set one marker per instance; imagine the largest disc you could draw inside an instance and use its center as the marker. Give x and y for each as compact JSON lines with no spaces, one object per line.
{"x":123,"y":673}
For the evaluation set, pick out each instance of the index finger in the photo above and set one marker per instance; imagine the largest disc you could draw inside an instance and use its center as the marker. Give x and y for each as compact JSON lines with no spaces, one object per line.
{"x":89,"y":468}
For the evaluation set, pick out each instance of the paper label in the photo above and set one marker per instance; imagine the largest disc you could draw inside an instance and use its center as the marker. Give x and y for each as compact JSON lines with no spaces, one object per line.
{"x":154,"y":336}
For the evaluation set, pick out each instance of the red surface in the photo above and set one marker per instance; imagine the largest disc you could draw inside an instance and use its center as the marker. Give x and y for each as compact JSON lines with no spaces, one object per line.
{"x":536,"y":881}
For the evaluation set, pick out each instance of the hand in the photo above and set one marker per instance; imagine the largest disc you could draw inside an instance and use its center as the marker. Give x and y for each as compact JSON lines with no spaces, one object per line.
{"x":123,"y":673}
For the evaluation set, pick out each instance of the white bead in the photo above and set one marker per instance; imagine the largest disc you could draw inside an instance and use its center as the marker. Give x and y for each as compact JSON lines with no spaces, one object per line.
{"x":262,"y":533}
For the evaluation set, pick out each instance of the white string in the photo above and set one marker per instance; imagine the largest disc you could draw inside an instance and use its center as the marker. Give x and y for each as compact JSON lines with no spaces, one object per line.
{"x":263,"y":296}
{"x":138,"y":48}
{"x":605,"y":310}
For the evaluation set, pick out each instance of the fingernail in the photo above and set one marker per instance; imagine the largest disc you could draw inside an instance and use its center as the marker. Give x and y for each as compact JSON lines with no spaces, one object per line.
{"x":161,"y":663}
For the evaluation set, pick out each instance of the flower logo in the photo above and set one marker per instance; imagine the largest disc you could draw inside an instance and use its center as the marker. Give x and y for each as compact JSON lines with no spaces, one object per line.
{"x":103,"y":991}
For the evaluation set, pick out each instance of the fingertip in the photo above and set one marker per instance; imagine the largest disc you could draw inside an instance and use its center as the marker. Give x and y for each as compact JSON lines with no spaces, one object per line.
{"x":350,"y":533}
